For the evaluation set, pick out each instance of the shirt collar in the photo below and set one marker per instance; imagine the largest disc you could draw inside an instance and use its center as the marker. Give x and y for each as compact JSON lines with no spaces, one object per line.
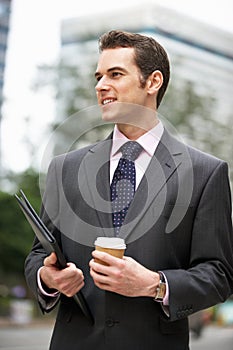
{"x":149,"y":141}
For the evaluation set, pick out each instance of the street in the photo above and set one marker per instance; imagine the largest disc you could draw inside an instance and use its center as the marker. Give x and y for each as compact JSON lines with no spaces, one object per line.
{"x":34,"y":337}
{"x":37,"y":338}
{"x":213,"y":338}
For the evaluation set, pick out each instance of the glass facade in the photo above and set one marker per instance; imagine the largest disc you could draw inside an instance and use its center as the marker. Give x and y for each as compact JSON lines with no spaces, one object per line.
{"x":199,"y":53}
{"x":5,"y":10}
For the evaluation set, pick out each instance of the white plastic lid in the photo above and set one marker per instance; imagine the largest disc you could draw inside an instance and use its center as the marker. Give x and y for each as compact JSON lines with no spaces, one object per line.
{"x":110,"y":242}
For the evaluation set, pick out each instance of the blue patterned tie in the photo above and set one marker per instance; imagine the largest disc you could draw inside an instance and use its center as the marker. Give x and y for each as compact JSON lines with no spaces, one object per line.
{"x":123,"y":183}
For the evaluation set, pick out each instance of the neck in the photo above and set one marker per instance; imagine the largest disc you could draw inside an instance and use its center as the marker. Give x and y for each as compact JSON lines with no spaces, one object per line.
{"x":133,"y":132}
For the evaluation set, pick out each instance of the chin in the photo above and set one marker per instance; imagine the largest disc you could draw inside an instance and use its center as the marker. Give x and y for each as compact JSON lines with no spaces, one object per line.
{"x":113,"y":112}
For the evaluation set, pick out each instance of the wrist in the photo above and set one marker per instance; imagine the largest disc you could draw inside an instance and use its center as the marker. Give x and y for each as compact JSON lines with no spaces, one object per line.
{"x":154,"y":284}
{"x":160,"y":291}
{"x":44,"y":289}
{"x":43,"y":280}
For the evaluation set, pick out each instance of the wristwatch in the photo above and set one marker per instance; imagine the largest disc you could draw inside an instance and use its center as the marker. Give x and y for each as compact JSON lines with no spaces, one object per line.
{"x":161,"y":289}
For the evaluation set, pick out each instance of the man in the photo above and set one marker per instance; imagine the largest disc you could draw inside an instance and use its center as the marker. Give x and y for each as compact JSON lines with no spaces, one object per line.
{"x":177,"y":225}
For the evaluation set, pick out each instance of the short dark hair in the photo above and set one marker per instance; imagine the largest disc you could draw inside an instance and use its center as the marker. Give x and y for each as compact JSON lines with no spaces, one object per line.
{"x":149,"y":54}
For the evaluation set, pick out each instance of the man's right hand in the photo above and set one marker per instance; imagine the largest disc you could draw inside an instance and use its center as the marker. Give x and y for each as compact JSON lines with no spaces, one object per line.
{"x":68,"y":281}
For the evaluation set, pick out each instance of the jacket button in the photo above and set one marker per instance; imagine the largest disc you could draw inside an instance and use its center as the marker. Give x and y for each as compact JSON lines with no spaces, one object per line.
{"x":109,"y":322}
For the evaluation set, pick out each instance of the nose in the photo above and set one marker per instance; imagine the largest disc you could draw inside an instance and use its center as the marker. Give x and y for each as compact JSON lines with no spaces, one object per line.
{"x":101,"y":84}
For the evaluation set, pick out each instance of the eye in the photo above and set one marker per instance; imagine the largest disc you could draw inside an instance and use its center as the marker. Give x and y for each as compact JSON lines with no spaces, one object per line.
{"x":98,"y":78}
{"x":116,"y":74}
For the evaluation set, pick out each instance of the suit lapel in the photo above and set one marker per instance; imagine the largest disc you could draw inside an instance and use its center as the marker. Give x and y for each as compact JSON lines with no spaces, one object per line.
{"x":95,"y":175}
{"x":163,"y":165}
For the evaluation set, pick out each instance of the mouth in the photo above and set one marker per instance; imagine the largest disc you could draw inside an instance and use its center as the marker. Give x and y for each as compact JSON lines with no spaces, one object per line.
{"x":107,"y":101}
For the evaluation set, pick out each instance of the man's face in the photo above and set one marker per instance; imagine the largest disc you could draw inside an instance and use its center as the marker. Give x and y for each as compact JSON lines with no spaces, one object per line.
{"x":118,"y":85}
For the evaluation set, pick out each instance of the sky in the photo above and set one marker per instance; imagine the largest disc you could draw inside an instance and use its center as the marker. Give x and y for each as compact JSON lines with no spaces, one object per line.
{"x":34,"y":40}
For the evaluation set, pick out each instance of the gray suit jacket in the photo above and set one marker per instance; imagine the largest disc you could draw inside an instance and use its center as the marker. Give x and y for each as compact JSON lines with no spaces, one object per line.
{"x":179,"y":222}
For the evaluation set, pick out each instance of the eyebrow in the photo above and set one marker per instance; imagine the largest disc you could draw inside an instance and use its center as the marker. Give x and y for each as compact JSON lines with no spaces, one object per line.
{"x":98,"y":74}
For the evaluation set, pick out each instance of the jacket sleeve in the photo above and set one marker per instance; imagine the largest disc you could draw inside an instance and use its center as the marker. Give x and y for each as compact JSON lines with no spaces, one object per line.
{"x":37,"y":255}
{"x":209,"y":278}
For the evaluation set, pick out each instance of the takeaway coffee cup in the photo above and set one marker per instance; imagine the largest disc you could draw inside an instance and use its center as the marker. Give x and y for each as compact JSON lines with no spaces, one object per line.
{"x":111,"y":245}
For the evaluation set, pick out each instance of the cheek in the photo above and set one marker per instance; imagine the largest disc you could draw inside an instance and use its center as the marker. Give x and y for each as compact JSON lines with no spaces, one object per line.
{"x":131,"y":93}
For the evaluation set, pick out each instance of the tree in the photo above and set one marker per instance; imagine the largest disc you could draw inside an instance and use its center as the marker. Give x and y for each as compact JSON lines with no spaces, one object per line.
{"x":192,"y":114}
{"x":16,"y":235}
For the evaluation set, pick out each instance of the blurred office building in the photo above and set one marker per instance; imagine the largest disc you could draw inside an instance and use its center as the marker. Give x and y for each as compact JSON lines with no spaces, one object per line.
{"x":5,"y":10}
{"x":199,"y":53}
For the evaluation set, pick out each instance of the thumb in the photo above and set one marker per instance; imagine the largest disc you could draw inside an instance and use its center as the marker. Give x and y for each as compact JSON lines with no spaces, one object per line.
{"x":50,"y":260}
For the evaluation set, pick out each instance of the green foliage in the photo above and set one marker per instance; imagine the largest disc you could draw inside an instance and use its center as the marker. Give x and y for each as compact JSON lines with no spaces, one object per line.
{"x":72,"y":86}
{"x":74,"y":91}
{"x":16,"y":236}
{"x":193,"y":116}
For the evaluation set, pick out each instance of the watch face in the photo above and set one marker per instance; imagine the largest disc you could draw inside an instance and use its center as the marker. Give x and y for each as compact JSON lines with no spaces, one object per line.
{"x":160,"y":291}
{"x":163,"y":289}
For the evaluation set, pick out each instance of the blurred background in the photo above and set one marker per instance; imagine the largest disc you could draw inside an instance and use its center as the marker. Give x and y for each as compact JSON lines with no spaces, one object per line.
{"x":48,"y":54}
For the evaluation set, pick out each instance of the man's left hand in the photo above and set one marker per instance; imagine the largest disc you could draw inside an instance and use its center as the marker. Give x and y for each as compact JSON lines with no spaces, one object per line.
{"x":123,"y":276}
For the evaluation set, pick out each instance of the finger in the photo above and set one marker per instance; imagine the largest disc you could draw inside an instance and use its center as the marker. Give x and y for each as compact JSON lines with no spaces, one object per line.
{"x":99,"y":268}
{"x":72,"y":266}
{"x":105,"y":287}
{"x":50,"y":260}
{"x":72,"y":289}
{"x":72,"y":272}
{"x":70,"y":280}
{"x":99,"y":278}
{"x":107,"y":258}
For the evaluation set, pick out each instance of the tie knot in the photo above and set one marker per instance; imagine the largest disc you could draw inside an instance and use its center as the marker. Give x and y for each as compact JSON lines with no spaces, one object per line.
{"x":131,"y":150}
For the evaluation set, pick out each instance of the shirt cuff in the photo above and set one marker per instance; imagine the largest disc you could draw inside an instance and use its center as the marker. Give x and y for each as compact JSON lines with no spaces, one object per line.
{"x":166,"y":298}
{"x":55,"y":294}
{"x":165,"y":302}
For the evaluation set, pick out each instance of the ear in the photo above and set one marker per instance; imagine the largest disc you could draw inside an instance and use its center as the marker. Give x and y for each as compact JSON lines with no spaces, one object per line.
{"x":154,"y":82}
